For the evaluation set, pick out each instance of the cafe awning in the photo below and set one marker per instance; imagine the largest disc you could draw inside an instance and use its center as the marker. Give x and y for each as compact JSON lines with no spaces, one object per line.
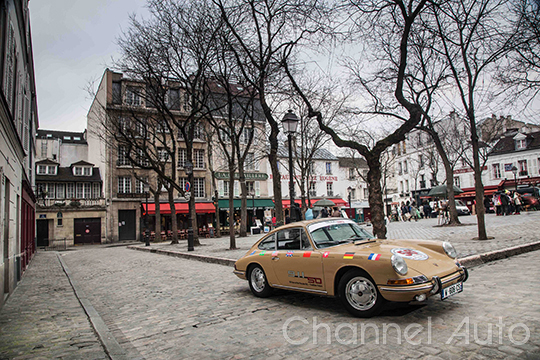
{"x":181,"y":208}
{"x":258,"y":203}
{"x":339,"y":202}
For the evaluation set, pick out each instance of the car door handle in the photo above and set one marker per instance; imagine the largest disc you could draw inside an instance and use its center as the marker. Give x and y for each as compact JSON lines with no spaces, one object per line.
{"x":275,"y":258}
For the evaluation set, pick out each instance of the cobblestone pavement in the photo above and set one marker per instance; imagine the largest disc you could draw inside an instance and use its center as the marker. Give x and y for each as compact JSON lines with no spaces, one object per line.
{"x":160,"y":307}
{"x":43,"y":319}
{"x":507,"y":231}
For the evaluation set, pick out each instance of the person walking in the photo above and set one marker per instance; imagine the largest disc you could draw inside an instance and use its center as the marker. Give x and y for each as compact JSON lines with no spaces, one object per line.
{"x":504,"y":203}
{"x":324,"y":212}
{"x":517,"y":202}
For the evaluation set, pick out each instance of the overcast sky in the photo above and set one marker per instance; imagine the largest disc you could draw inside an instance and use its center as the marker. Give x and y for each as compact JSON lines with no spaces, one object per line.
{"x":73,"y":43}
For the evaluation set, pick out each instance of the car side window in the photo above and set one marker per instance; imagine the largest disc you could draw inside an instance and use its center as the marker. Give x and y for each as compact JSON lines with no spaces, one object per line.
{"x":293,"y":239}
{"x":269,"y":243}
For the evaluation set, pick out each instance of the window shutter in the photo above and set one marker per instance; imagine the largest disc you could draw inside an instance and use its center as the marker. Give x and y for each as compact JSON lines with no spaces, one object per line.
{"x":221,"y":188}
{"x":257,"y":188}
{"x":236,"y":188}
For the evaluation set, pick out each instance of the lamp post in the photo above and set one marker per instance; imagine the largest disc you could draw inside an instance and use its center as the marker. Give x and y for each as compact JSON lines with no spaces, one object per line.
{"x":252,"y":193}
{"x":349,"y":189}
{"x":189,"y":172}
{"x":290,"y":122}
{"x":146,"y":235}
{"x":514,"y":170}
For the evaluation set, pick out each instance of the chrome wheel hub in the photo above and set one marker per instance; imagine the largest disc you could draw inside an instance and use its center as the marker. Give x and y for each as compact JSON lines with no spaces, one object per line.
{"x":257,"y":279}
{"x":361,"y":293}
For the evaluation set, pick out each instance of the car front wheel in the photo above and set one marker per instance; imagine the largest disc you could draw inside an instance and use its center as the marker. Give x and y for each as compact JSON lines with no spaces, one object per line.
{"x":359,"y":294}
{"x":258,"y":283}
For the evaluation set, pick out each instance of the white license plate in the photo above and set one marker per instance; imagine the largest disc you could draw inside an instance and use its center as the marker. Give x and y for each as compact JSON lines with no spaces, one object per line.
{"x":451,"y":290}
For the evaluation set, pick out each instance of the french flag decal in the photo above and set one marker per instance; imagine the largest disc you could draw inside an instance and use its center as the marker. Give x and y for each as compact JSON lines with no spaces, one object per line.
{"x":374,"y":256}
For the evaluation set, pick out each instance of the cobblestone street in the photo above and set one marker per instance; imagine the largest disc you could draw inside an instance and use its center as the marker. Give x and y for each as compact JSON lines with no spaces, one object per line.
{"x":160,"y":307}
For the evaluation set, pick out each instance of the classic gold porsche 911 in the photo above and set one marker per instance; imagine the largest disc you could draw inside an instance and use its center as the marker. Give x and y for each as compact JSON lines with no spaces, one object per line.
{"x":337,"y":257}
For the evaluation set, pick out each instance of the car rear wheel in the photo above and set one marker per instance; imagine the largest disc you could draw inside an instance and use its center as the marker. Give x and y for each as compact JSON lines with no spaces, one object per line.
{"x":258,"y":283}
{"x":359,"y":294}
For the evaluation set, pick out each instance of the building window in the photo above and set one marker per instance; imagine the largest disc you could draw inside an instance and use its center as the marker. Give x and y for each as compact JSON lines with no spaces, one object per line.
{"x":353,"y":193}
{"x":43,"y":148}
{"x":422,"y":181}
{"x":400,"y":168}
{"x":522,"y":166}
{"x":139,"y":185}
{"x":198,"y":187}
{"x":80,"y":190}
{"x":312,"y":188}
{"x":352,"y":173}
{"x":329,"y":188}
{"x":87,"y":171}
{"x":250,"y":187}
{"x":67,"y":137}
{"x":421,"y":161}
{"x":249,"y":163}
{"x":198,"y":132}
{"x":405,"y":169}
{"x":401,"y":187}
{"x":225,"y":188}
{"x":70,"y":190}
{"x":142,"y":160}
{"x":42,"y":170}
{"x":366,"y":193}
{"x":182,"y":158}
{"x":124,"y":184}
{"x":328,"y":168}
{"x":59,"y":218}
{"x":496,"y":171}
{"x":116,"y":93}
{"x":96,"y":194}
{"x":173,"y":99}
{"x":246,"y":135}
{"x":199,"y":159}
{"x":51,"y":191}
{"x":404,"y":148}
{"x":406,"y":185}
{"x":457,"y":181}
{"x":78,"y":170}
{"x":60,"y":191}
{"x":162,"y":127}
{"x":163,"y":154}
{"x":122,"y":156}
{"x":133,"y":97}
{"x":521,"y":144}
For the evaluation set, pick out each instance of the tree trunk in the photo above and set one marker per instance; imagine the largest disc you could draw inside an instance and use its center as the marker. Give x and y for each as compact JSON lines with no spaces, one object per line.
{"x":218,"y":222}
{"x":449,"y":178}
{"x":479,"y":187}
{"x":232,"y":243}
{"x":158,"y":216}
{"x":376,"y":196}
{"x":174,"y":223}
{"x":243,"y":204}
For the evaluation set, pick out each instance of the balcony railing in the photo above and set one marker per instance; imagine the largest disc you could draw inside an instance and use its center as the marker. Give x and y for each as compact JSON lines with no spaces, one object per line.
{"x":523,"y":173}
{"x":70,"y":202}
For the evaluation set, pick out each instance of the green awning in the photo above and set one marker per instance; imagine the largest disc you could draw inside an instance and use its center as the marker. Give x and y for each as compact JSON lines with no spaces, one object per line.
{"x":258,"y":203}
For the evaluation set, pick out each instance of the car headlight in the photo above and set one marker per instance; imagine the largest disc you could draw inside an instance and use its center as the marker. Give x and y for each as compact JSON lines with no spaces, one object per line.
{"x":399,"y":265}
{"x":449,"y":249}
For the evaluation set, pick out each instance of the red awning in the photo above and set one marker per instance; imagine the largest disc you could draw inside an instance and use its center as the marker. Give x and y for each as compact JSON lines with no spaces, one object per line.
{"x":181,"y":208}
{"x":471,"y":192}
{"x":339,"y":202}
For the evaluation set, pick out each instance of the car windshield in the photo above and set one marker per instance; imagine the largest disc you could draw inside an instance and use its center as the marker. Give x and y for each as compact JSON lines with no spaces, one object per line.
{"x":332,"y":233}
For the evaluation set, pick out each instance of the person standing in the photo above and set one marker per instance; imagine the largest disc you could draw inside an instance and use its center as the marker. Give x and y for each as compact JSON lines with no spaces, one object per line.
{"x":324,"y":212}
{"x":336,"y":212}
{"x":517,"y":202}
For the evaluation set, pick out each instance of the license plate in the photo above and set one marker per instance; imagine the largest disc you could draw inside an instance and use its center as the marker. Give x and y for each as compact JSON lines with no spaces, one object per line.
{"x":451,"y":290}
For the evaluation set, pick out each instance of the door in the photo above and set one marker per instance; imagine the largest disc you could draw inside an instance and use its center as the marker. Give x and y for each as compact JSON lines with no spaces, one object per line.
{"x":43,"y":233}
{"x":126,"y":225}
{"x":87,"y":231}
{"x":296,"y":264}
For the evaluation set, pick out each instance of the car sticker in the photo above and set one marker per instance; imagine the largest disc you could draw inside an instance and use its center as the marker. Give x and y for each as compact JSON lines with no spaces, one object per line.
{"x":348,"y":255}
{"x":275,"y":253}
{"x":254,"y":251}
{"x":374,"y":256}
{"x":262,"y":253}
{"x":409,"y":253}
{"x":289,"y":253}
{"x":325,"y":254}
{"x":307,"y":254}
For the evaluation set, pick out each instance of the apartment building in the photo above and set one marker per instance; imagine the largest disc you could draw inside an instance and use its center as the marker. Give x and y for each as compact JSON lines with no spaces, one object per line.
{"x":18,"y":123}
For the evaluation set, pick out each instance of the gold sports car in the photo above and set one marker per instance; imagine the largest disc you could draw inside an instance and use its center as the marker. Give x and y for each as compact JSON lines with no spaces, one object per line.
{"x":337,"y":257}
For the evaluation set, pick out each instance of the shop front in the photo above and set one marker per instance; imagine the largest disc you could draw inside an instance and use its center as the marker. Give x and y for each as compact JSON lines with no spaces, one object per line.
{"x":257,"y":209}
{"x":205,"y":216}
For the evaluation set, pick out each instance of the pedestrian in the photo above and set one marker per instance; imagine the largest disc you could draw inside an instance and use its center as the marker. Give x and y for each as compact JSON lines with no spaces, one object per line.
{"x":309,"y":214}
{"x":274,"y":221}
{"x":497,"y":202}
{"x":504,"y":203}
{"x":487,"y":204}
{"x":324,"y":212}
{"x":400,"y":212}
{"x":427,"y":210}
{"x":517,"y":202}
{"x":336,"y":212}
{"x":296,"y":213}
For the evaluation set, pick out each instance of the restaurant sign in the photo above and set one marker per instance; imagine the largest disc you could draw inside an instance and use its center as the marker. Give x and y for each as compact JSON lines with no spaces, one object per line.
{"x":224,"y":175}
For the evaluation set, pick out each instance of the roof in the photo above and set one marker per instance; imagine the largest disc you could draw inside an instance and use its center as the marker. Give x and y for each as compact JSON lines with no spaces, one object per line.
{"x":47,"y":162}
{"x":65,"y":174}
{"x":320,"y":154}
{"x":82,"y":162}
{"x":356,"y":163}
{"x":65,"y":136}
{"x":507,"y":144}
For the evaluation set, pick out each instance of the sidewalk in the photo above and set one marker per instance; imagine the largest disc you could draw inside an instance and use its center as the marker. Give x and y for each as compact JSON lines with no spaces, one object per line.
{"x":508,"y":231}
{"x":43,"y":318}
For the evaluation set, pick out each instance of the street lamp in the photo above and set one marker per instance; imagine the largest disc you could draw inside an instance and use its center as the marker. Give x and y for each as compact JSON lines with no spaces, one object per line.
{"x":189,"y":172}
{"x":349,"y":190}
{"x":290,"y":122}
{"x":146,"y":234}
{"x":514,"y":170}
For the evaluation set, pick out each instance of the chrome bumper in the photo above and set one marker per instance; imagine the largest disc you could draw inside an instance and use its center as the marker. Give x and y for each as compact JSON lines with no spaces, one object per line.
{"x":462,"y":274}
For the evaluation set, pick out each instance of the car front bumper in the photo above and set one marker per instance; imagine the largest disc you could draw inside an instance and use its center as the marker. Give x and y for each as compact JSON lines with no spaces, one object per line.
{"x":406,"y":293}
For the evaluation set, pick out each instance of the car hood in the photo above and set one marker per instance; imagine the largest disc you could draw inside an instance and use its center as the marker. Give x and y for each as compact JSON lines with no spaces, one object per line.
{"x":424,"y":256}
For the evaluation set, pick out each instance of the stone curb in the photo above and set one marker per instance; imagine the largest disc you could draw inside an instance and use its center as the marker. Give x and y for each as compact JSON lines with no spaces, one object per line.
{"x":203,"y":258}
{"x":111,"y":346}
{"x":475,"y":260}
{"x":469,"y":261}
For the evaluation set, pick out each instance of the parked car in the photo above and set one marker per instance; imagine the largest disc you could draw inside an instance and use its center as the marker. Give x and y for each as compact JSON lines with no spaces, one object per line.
{"x":530,"y":196}
{"x":461,"y":208}
{"x":337,"y":257}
